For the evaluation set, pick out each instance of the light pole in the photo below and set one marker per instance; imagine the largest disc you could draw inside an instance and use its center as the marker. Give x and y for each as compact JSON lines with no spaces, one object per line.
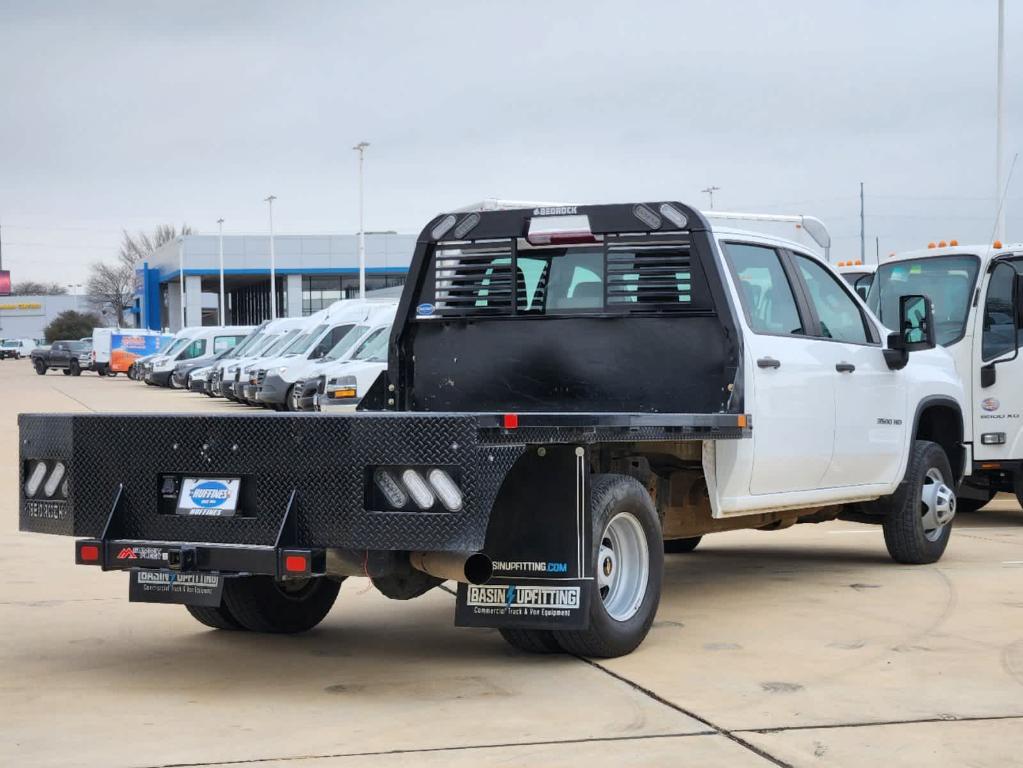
{"x":220,"y":237}
{"x":361,"y":149}
{"x":709,"y":192}
{"x":1000,"y":123}
{"x":273,"y":261}
{"x":181,"y":276}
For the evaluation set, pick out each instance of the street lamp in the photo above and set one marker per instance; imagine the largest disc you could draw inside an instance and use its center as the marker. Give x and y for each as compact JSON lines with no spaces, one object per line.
{"x":273,"y":261}
{"x":220,"y":225}
{"x":361,"y":149}
{"x":709,"y":191}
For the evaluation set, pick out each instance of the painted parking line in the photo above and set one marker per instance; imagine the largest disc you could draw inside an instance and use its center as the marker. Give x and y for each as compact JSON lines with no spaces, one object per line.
{"x":877,"y":529}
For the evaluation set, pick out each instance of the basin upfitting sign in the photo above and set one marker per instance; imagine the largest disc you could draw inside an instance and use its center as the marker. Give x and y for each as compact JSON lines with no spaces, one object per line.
{"x":216,"y":497}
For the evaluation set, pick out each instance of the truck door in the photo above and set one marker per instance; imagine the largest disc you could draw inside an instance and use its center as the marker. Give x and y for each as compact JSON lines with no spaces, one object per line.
{"x":997,"y":408}
{"x":793,"y":395}
{"x":59,"y":355}
{"x":870,"y":398}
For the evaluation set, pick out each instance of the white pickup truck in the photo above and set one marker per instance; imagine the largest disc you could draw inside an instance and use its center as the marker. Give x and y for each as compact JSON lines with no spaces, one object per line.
{"x":976,"y":290}
{"x":570,"y":390}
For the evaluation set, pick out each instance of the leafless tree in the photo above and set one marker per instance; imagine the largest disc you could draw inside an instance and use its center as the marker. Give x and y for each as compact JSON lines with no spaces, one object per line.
{"x":111,"y":287}
{"x":33,"y":288}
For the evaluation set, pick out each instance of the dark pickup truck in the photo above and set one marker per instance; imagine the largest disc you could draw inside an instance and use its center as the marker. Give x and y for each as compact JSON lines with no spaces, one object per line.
{"x":69,"y":357}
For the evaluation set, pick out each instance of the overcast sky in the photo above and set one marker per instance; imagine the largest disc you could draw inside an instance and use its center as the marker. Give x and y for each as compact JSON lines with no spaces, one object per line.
{"x":126,"y":115}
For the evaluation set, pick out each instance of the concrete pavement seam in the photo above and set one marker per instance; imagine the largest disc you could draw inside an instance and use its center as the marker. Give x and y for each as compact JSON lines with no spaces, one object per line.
{"x":830,"y":726}
{"x":730,"y":735}
{"x":413,"y":751}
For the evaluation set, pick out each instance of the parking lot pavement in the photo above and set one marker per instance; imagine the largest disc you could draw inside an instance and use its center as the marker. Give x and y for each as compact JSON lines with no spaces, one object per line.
{"x":804,"y":647}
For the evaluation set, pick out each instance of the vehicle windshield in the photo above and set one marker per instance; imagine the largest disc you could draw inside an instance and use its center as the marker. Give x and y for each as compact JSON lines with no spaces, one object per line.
{"x":303,"y":342}
{"x":282,"y":341}
{"x":947,"y":280}
{"x":11,"y":343}
{"x":373,"y":349}
{"x":251,"y":341}
{"x":340,"y":349}
{"x":177,"y":346}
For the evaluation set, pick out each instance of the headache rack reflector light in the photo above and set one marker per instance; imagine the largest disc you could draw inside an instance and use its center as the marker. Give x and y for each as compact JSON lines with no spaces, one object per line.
{"x":560,"y":230}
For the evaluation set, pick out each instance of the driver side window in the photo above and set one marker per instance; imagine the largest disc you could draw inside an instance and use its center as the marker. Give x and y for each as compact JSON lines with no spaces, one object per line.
{"x":999,"y":329}
{"x":839,"y":316}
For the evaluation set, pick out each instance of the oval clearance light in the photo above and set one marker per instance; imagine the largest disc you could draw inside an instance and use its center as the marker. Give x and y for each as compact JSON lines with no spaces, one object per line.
{"x":647,"y":216}
{"x":53,"y":481}
{"x":442,"y":227}
{"x":393,"y":492}
{"x":447,"y":491}
{"x":35,"y":478}
{"x":418,"y":489}
{"x":674,"y":215}
{"x":466,"y":225}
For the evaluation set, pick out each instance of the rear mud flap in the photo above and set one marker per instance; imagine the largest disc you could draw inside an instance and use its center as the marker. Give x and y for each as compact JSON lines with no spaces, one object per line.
{"x":153,"y":586}
{"x":540,"y":542}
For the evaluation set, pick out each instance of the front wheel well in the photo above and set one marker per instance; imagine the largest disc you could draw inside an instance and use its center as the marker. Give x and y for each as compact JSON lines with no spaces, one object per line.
{"x":942,"y":423}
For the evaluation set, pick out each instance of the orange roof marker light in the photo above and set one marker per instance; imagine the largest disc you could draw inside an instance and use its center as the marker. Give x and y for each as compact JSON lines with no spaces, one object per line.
{"x":931,"y":245}
{"x":942,"y":244}
{"x":997,"y":244}
{"x":858,"y":263}
{"x":953,"y":243}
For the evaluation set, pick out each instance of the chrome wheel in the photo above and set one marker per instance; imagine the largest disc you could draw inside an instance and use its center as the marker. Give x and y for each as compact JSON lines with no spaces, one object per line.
{"x":623,"y":566}
{"x":937,"y":504}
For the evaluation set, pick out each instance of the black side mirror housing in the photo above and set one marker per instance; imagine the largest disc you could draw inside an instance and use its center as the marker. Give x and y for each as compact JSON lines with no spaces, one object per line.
{"x":916,"y":330}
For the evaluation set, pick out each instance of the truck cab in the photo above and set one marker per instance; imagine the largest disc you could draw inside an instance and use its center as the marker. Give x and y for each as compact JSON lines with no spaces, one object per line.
{"x":977,"y":308}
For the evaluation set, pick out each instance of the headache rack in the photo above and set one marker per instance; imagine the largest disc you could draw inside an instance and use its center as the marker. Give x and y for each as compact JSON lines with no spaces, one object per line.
{"x":623,"y":274}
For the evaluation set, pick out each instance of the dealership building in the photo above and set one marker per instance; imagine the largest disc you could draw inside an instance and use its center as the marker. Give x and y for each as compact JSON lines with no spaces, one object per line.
{"x":25,"y":317}
{"x":311,"y":272}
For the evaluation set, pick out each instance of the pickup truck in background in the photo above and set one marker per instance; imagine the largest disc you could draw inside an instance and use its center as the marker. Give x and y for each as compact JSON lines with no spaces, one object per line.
{"x":69,"y":357}
{"x":570,"y":391}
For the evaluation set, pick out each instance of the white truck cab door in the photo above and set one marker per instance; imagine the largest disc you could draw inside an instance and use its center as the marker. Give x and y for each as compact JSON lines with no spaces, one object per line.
{"x":998,"y":407}
{"x":790,"y":391}
{"x":870,"y":398}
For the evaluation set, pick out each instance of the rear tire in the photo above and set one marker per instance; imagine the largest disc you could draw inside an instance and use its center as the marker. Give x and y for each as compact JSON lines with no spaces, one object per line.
{"x":66,"y":371}
{"x":215,"y":618}
{"x":532,"y":640}
{"x":681,"y":546}
{"x":261,"y":604}
{"x":920,"y":513}
{"x":627,"y":555}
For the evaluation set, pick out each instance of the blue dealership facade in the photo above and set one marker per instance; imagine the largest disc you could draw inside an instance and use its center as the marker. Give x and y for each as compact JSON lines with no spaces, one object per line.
{"x":312,"y":272}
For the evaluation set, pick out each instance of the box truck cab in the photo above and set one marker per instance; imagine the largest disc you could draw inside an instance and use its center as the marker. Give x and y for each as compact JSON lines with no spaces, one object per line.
{"x":344,"y":320}
{"x":975,"y":290}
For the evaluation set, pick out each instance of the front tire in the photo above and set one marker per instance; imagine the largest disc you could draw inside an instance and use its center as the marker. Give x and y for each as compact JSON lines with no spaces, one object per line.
{"x":628,"y":557}
{"x":40,"y":367}
{"x":261,"y":604}
{"x":919,"y":515}
{"x":66,"y":371}
{"x":215,"y":618}
{"x":75,"y":369}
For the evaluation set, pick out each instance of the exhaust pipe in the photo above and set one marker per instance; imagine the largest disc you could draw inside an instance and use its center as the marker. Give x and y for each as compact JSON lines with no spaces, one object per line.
{"x":464,"y":567}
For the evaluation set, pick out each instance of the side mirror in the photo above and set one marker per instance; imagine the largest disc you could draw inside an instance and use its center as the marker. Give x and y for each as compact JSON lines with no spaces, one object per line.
{"x":916,"y":331}
{"x":916,"y":323}
{"x":862,"y":285}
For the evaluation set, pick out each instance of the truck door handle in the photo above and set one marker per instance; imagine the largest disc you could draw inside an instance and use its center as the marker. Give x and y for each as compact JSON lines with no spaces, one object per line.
{"x":845,"y":367}
{"x":768,"y":362}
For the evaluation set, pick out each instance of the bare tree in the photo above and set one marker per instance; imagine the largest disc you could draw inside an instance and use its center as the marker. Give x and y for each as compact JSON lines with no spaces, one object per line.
{"x":111,"y":287}
{"x":33,"y":288}
{"x":137,"y":248}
